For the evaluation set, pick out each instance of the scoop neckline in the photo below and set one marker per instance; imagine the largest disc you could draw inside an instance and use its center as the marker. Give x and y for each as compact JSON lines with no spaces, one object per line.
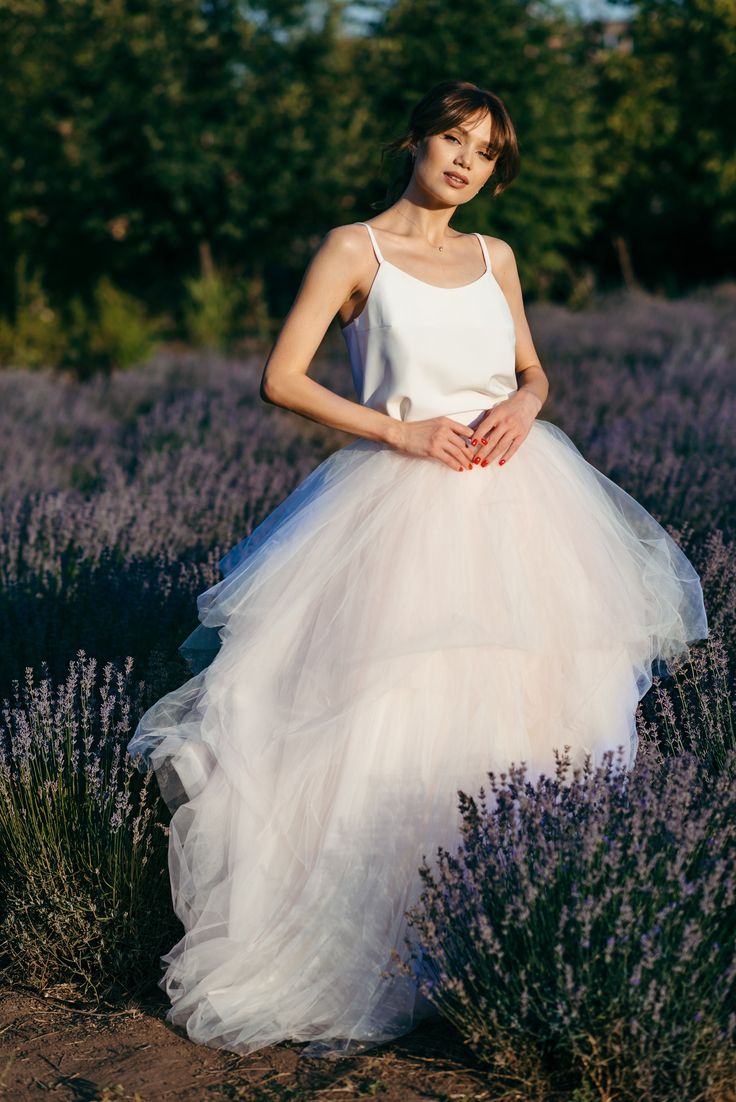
{"x":424,"y":282}
{"x":435,"y":287}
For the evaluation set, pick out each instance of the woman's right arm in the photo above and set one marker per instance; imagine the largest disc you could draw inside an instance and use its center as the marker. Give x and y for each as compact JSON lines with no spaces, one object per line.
{"x":332,"y":277}
{"x":329,"y":281}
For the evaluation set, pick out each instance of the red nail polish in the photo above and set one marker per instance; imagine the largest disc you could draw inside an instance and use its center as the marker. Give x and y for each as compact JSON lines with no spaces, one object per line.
{"x":501,"y":462}
{"x":473,"y":441}
{"x":476,"y":459}
{"x":459,"y":468}
{"x":484,"y":441}
{"x":470,"y":466}
{"x":484,"y":463}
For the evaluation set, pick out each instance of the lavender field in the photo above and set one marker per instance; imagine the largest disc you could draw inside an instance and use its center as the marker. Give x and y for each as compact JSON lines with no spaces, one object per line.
{"x":117,"y":498}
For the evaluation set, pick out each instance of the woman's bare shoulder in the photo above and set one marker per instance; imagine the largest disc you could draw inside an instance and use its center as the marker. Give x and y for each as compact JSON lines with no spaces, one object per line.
{"x":349,"y":241}
{"x":501,"y":253}
{"x":344,"y":258}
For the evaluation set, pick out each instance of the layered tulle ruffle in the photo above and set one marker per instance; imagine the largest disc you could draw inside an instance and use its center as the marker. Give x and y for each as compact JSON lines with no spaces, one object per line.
{"x":390,"y":633}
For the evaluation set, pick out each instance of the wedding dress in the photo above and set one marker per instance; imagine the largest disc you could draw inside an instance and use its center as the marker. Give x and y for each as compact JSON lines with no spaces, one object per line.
{"x":391,"y":632}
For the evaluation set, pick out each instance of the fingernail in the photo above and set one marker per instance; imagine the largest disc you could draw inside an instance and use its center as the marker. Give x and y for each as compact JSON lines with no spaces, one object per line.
{"x":484,"y":441}
{"x":470,"y":466}
{"x":460,"y":468}
{"x":476,"y":459}
{"x":473,"y":441}
{"x":484,"y":463}
{"x":501,"y":462}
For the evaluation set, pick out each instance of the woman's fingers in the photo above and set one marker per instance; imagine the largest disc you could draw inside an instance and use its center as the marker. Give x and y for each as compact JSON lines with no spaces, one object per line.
{"x":511,"y":450}
{"x":461,"y":449}
{"x":459,"y":427}
{"x":452,"y":455}
{"x":501,"y":445}
{"x":495,"y":442}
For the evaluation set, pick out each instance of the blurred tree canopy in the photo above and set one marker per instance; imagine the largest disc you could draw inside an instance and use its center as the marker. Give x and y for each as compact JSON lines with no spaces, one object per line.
{"x":151,"y":142}
{"x":669,"y":157}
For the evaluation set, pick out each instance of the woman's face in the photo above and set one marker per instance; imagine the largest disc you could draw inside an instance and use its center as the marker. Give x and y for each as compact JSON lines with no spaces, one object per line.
{"x":453,"y":165}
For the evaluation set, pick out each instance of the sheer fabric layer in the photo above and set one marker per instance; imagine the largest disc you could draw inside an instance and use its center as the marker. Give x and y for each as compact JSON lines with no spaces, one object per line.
{"x":389,"y":634}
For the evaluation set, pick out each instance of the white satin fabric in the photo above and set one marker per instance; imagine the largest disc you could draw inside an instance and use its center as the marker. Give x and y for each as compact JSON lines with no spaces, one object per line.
{"x":407,"y":360}
{"x":391,"y":632}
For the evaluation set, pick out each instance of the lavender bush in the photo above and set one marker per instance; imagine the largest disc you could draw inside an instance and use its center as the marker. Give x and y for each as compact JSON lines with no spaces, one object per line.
{"x":86,"y":898}
{"x":645,"y":388}
{"x":582,"y":937}
{"x":118,"y":496}
{"x":692,"y":710}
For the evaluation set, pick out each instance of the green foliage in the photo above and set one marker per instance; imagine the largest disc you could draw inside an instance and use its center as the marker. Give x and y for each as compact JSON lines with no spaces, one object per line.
{"x":212,"y":309}
{"x":117,"y":150}
{"x":669,"y":159}
{"x":116,"y":332}
{"x":140,"y":136}
{"x":219,"y":310}
{"x":122,"y":331}
{"x":35,"y":337}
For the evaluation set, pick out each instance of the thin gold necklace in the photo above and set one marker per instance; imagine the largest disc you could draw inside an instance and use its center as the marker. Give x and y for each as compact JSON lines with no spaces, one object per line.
{"x":406,"y":216}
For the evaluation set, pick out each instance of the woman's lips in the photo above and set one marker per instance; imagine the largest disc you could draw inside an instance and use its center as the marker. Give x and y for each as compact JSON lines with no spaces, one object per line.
{"x":454,"y":181}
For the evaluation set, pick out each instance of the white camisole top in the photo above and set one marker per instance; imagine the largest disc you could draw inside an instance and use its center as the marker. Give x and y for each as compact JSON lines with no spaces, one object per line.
{"x":418,"y":350}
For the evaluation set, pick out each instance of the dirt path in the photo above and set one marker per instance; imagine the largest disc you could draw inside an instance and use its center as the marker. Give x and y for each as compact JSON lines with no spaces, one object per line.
{"x":55,"y":1049}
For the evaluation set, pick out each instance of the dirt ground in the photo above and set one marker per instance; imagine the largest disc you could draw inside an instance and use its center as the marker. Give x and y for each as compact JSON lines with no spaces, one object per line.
{"x":53,"y":1048}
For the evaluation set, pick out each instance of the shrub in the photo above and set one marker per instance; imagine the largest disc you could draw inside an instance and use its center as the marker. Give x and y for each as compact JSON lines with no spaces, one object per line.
{"x":119,"y":494}
{"x":34,"y":337}
{"x":693,"y":709}
{"x":83,"y":846}
{"x":115,"y":332}
{"x":581,"y":938}
{"x":212,"y":309}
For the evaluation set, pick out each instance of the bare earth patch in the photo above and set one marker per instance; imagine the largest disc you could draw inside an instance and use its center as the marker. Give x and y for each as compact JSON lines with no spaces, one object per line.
{"x":52,"y":1047}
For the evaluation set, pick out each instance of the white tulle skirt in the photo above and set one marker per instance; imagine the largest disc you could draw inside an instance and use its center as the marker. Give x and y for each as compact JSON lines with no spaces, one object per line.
{"x":390,"y":633}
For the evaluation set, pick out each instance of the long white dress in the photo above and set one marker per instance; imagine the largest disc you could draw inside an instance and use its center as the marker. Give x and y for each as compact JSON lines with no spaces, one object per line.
{"x":390,"y":633}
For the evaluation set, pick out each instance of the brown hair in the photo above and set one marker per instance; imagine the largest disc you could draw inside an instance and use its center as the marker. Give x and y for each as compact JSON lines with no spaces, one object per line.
{"x":446,"y":105}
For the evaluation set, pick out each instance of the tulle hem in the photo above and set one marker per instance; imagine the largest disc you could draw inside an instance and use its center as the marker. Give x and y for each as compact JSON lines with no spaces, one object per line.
{"x":389,"y":634}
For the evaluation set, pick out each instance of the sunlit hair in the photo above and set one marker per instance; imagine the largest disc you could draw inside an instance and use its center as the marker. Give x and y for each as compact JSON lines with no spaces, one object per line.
{"x":451,"y":103}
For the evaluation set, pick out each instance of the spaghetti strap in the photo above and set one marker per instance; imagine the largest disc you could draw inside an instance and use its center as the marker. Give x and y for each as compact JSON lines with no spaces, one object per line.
{"x":485,"y":251}
{"x":377,"y":251}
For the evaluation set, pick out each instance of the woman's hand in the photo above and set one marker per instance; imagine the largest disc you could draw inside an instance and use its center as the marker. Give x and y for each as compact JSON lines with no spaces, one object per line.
{"x":504,"y":428}
{"x":436,"y":438}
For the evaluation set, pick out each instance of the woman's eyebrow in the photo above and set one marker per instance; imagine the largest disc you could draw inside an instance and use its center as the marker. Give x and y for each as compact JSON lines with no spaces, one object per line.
{"x":464,"y":131}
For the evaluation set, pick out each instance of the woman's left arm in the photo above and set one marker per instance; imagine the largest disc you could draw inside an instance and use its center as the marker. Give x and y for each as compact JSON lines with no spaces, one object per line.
{"x":532,"y":379}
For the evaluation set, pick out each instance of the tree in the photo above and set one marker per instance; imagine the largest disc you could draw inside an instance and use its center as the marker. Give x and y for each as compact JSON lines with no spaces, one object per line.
{"x":115,"y":154}
{"x":670,"y":161}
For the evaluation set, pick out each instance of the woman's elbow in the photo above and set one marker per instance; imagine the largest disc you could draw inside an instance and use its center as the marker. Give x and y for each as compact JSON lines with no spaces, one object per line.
{"x":269,"y":391}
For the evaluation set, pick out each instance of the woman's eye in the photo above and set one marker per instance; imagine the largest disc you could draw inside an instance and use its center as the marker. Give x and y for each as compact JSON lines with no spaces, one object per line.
{"x":488,"y":156}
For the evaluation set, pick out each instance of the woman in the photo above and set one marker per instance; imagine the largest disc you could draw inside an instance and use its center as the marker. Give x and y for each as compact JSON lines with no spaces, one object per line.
{"x":455,"y":590}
